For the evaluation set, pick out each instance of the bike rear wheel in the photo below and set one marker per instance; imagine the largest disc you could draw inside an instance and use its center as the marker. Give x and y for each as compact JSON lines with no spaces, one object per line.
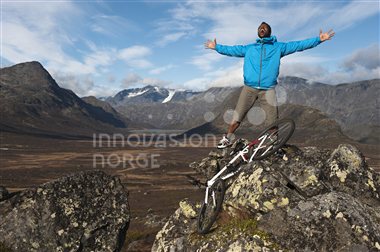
{"x":277,"y":134}
{"x":210,"y":210}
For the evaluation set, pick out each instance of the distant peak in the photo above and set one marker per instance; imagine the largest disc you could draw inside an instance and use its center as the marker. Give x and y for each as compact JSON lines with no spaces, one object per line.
{"x":29,"y":73}
{"x":30,"y":64}
{"x":27,"y":66}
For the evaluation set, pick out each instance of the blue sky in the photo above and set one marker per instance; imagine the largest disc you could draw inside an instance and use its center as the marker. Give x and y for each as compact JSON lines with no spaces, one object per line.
{"x":101,"y":47}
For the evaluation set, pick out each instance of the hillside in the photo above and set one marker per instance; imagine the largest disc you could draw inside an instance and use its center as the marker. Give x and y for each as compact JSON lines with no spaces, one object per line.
{"x":32,"y":102}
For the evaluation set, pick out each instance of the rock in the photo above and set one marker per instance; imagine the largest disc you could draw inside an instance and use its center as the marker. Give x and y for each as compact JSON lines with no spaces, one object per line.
{"x":311,"y":200}
{"x":332,"y":221}
{"x":188,"y":209}
{"x":153,"y":220}
{"x":348,"y":172}
{"x":87,"y":211}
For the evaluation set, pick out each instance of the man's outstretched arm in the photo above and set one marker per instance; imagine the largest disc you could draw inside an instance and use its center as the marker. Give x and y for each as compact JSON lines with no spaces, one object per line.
{"x":237,"y":51}
{"x":297,"y":46}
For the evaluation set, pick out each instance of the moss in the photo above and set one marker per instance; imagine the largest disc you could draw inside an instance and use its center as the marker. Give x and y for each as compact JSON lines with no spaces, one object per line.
{"x":4,"y":248}
{"x":233,"y":229}
{"x":247,"y":226}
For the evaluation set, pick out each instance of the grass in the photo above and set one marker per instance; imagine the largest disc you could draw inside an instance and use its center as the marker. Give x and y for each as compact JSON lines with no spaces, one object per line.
{"x":234,"y":226}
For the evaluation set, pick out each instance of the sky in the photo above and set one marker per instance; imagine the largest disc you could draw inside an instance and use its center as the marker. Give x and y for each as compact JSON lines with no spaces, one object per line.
{"x":102,"y":47}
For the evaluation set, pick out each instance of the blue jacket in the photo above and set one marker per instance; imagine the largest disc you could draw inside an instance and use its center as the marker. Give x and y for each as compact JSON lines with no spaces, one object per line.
{"x":262,"y":59}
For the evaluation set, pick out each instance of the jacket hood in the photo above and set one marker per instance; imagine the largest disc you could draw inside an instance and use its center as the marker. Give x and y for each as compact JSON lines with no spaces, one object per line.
{"x":267,"y":40}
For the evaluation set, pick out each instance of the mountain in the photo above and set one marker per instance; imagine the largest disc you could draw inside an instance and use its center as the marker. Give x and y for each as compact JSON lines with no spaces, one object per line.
{"x":355,"y":106}
{"x":32,"y":102}
{"x":148,"y":94}
{"x":312,"y":125}
{"x":97,"y":102}
{"x":205,"y":112}
{"x":180,"y":113}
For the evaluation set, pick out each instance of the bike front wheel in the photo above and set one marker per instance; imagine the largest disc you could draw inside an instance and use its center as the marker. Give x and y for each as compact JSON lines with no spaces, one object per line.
{"x":275,"y":136}
{"x":210,"y":209}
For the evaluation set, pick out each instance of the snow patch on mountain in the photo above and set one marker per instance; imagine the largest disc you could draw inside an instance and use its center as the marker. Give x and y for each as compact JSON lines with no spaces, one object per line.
{"x":170,"y":96}
{"x":136,"y":93}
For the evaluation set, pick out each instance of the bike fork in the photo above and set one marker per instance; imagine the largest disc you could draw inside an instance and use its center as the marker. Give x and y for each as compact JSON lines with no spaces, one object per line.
{"x":212,"y":195}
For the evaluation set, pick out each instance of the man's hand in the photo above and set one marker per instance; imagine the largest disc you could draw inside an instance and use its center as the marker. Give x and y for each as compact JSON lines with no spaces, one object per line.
{"x":326,"y":36}
{"x":210,"y":44}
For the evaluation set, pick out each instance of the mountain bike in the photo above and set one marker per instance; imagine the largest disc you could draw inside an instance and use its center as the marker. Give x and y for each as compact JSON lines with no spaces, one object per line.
{"x":268,"y":142}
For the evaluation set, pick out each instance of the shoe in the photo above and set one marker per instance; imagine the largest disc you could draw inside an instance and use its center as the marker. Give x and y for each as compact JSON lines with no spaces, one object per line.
{"x":224,"y":142}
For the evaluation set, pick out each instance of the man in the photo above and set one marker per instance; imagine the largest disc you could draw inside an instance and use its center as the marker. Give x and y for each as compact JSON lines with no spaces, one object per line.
{"x":261,"y":69}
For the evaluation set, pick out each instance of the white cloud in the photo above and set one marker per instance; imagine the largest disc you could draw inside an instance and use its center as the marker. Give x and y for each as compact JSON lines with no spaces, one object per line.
{"x":99,"y":57}
{"x":36,"y":32}
{"x":197,"y":84}
{"x":159,"y":70}
{"x":131,"y":79}
{"x":155,"y":82}
{"x":170,"y":38}
{"x":172,"y":29}
{"x":79,"y":85}
{"x":55,"y":34}
{"x":112,"y":25}
{"x":139,"y":63}
{"x":235,"y":23}
{"x":232,"y":76}
{"x":206,"y":61}
{"x":21,"y":44}
{"x":134,"y":52}
{"x":362,"y":64}
{"x":351,"y":13}
{"x":134,"y":56}
{"x":303,"y":58}
{"x":308,"y":71}
{"x":102,"y":91}
{"x":368,"y":58}
{"x":111,"y":79}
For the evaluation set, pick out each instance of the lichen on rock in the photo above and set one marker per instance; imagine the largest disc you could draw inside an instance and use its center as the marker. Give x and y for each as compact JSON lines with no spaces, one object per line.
{"x":86,"y":211}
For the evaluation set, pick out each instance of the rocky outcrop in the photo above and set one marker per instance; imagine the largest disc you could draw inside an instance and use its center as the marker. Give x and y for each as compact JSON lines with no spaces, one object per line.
{"x":87,"y":211}
{"x":302,"y":200}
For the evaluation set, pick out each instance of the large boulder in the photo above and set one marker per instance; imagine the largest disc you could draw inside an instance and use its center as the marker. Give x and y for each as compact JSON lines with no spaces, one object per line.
{"x":305,"y":199}
{"x":87,"y":211}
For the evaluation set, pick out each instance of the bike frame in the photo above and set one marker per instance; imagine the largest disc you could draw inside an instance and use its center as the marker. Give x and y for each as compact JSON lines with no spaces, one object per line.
{"x":241,"y":154}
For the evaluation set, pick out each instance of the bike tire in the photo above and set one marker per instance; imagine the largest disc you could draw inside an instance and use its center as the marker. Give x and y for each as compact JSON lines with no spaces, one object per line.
{"x":284,"y":137}
{"x":205,"y":222}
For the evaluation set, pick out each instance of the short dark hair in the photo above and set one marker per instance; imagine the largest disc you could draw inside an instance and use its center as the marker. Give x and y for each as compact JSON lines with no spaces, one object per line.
{"x":269,"y":28}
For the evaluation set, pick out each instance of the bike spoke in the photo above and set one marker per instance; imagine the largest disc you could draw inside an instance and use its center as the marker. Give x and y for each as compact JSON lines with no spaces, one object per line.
{"x":272,"y":138}
{"x":213,"y":199}
{"x":270,"y":147}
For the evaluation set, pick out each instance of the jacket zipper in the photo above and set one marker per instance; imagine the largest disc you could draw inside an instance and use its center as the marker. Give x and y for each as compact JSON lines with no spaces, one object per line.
{"x":261,"y":62}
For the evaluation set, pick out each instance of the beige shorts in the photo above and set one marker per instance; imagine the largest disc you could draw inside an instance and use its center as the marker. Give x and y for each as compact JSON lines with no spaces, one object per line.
{"x":248,"y":97}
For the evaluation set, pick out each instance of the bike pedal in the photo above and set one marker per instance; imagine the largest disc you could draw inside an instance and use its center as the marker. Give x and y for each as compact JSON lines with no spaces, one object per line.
{"x":280,"y":153}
